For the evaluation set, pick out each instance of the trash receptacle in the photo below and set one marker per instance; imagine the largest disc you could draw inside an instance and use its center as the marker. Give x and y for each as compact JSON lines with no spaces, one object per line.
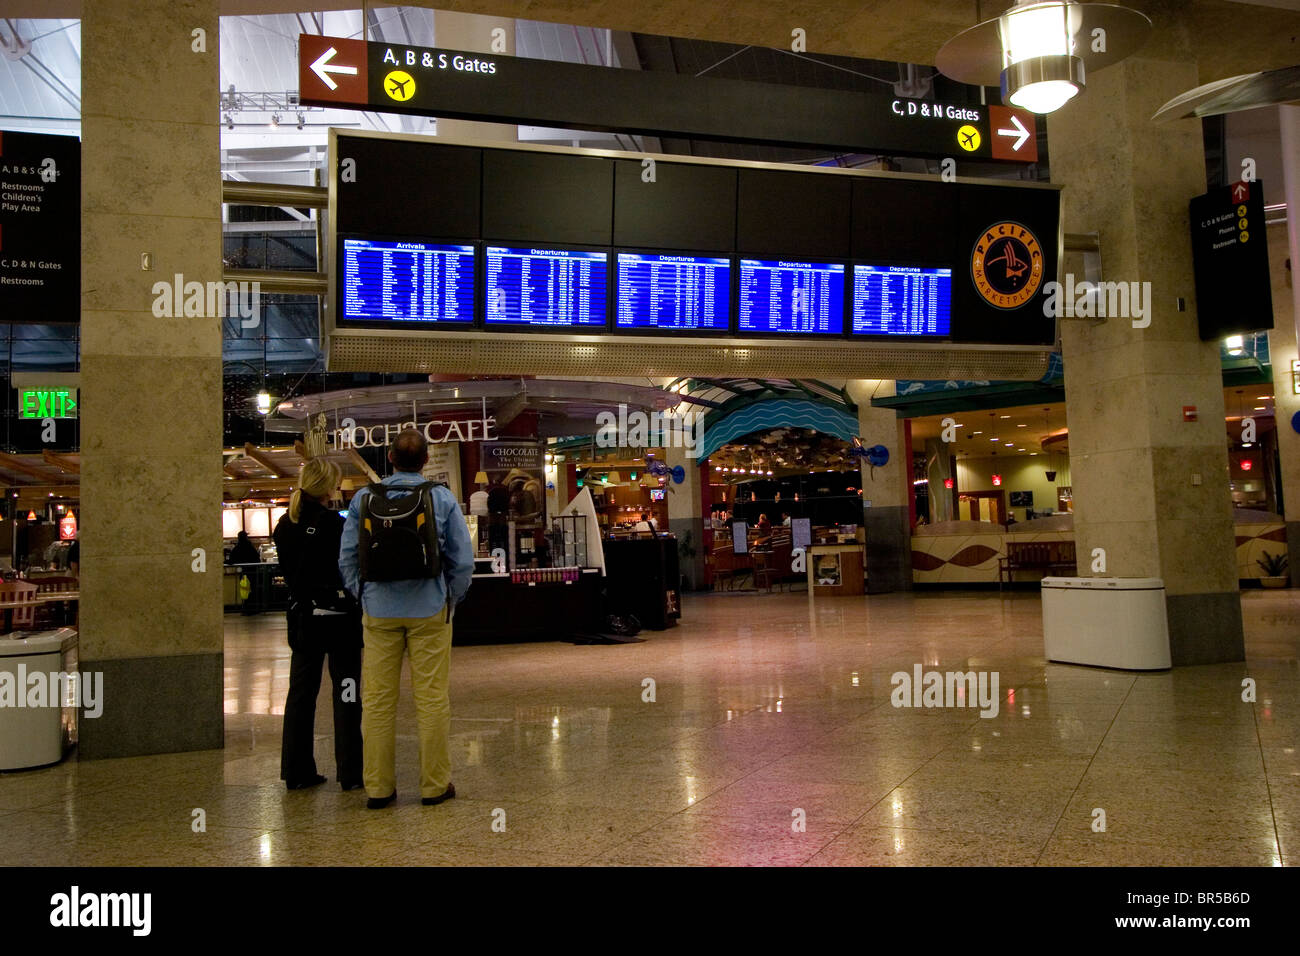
{"x":1106,"y":622}
{"x":38,"y":716}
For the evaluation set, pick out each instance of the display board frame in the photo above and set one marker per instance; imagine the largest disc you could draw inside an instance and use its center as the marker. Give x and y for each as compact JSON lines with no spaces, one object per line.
{"x":516,"y":328}
{"x":411,"y":324}
{"x":417,"y":347}
{"x":664,"y":331}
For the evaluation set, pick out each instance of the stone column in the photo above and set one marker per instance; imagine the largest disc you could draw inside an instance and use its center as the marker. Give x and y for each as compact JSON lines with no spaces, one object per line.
{"x":685,"y":513}
{"x":151,"y":386}
{"x":1284,"y":244}
{"x":887,"y":521}
{"x":1149,"y":489}
{"x":472,"y":32}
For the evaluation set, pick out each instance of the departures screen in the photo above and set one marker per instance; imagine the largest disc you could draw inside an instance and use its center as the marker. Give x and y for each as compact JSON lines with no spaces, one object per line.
{"x":791,"y":297}
{"x":407,"y":282}
{"x":673,"y":292}
{"x":545,"y":287}
{"x":902,"y":300}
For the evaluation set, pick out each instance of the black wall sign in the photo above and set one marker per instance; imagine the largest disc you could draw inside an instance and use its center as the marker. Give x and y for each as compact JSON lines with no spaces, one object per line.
{"x":1230,"y":257}
{"x":40,"y":228}
{"x":426,"y":191}
{"x":477,"y":86}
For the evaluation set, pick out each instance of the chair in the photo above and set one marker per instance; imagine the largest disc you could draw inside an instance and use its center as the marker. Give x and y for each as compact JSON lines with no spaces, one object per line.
{"x":57,"y":613}
{"x":765,"y":573}
{"x":721,"y":565}
{"x":24,"y":594}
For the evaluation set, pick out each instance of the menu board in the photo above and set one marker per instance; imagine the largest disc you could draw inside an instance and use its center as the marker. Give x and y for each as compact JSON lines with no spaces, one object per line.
{"x":902,"y":300}
{"x":673,"y":292}
{"x":407,"y":282}
{"x":546,"y":287}
{"x":795,"y":297}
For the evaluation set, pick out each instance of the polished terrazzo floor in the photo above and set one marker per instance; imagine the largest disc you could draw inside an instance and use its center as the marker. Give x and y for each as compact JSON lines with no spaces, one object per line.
{"x":765,"y":705}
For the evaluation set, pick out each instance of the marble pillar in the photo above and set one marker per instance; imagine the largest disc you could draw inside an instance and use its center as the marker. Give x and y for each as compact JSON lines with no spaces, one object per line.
{"x":1150,"y":489}
{"x":685,"y":514}
{"x":473,"y":33}
{"x":151,"y":385}
{"x":887,"y":519}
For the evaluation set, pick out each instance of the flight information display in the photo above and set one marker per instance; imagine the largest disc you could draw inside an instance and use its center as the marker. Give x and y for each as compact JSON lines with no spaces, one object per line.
{"x":546,"y":287}
{"x":798,"y":297}
{"x":902,"y":300}
{"x":673,"y":292}
{"x":407,"y":282}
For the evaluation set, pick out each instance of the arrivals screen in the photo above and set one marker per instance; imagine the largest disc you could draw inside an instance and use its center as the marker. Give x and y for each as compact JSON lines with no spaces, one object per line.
{"x":673,"y":292}
{"x":796,"y":297}
{"x":407,"y":282}
{"x":545,"y":287}
{"x":902,"y":300}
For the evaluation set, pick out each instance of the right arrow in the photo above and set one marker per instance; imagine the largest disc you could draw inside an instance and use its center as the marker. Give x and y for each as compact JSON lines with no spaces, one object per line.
{"x":1020,"y":133}
{"x":321,"y":69}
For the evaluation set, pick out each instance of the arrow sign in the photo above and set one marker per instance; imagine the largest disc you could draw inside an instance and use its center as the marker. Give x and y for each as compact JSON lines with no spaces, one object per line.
{"x":323,"y":70}
{"x":1240,"y":192}
{"x":1019,"y":133}
{"x":1015,"y":134}
{"x":332,"y":69}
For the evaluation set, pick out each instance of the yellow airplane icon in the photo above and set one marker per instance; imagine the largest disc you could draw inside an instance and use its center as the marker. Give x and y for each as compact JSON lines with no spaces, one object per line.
{"x":968,"y":138}
{"x":399,"y":85}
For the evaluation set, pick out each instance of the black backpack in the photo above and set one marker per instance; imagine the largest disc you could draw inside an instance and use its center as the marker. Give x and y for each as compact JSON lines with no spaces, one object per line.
{"x":398,"y":538}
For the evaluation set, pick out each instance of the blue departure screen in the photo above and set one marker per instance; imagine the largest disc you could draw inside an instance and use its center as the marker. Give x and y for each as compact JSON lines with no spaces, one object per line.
{"x":902,"y":300}
{"x":800,"y":297}
{"x":673,"y":292}
{"x":407,"y":282}
{"x":546,"y":287}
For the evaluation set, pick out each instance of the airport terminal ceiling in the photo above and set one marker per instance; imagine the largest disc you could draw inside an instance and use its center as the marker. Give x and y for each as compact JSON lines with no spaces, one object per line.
{"x":1261,"y":38}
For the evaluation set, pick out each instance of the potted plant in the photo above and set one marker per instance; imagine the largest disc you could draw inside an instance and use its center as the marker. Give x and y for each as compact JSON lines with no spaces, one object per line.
{"x":686,"y":553}
{"x":1274,"y":568}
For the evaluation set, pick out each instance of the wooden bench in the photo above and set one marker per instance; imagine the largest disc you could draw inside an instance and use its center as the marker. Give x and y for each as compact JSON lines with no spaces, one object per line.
{"x":1050,"y":557}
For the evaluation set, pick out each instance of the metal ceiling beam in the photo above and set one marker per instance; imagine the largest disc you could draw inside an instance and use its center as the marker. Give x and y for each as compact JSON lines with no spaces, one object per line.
{"x":253,"y":452}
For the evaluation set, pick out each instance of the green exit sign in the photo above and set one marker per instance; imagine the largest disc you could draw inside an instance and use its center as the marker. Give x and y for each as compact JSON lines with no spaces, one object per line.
{"x":47,"y":403}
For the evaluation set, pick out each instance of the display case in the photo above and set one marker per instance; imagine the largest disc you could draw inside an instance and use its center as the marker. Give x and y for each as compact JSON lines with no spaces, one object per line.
{"x":568,"y":537}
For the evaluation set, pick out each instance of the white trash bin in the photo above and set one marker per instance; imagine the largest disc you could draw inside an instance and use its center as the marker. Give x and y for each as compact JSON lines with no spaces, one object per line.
{"x":36,"y":736}
{"x":1106,"y":622}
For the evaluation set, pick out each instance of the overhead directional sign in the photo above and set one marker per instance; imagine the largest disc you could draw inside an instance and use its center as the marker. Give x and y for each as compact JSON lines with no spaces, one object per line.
{"x":40,"y":228}
{"x":505,"y":89}
{"x":1230,"y":260}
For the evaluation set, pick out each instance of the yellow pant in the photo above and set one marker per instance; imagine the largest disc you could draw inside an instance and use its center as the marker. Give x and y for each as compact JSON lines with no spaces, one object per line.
{"x":428,"y":640}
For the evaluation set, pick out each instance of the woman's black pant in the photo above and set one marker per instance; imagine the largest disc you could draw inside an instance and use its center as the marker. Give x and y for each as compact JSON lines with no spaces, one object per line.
{"x":312,"y":638}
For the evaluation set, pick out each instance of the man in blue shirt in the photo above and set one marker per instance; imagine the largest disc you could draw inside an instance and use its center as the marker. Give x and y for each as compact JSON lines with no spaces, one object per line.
{"x":408,"y":616}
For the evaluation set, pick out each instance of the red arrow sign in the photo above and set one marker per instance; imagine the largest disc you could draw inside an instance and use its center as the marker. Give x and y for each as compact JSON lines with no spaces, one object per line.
{"x":1013,"y":134}
{"x":332,"y":69}
{"x":1240,"y":191}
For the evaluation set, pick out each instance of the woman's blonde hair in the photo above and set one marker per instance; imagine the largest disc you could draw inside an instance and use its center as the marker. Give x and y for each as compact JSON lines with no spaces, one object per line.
{"x":318,"y":477}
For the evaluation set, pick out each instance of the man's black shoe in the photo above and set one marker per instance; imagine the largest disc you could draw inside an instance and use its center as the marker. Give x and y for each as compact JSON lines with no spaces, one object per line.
{"x":445,"y":795}
{"x":378,"y":803}
{"x":304,"y":784}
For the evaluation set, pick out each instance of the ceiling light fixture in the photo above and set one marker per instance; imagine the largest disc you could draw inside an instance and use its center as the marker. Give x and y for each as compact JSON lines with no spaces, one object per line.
{"x":1040,"y":53}
{"x":1235,"y":344}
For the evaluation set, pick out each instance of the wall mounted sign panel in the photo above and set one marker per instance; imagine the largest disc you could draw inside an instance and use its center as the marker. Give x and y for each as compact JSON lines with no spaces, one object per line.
{"x":392,"y":78}
{"x":40,"y":228}
{"x":1230,"y":258}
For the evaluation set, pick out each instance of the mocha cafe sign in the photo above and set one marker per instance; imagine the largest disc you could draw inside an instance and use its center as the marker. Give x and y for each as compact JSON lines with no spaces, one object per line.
{"x":436,"y":432}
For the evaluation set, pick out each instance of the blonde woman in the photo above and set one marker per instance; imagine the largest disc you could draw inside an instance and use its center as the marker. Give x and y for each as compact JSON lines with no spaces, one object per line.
{"x":323,"y":620}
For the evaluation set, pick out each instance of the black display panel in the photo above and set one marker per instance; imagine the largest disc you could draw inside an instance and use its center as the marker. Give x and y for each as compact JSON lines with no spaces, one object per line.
{"x":545,"y":287}
{"x":406,"y":281}
{"x":794,"y":215}
{"x":547,"y":198}
{"x":793,"y":297}
{"x":384,"y":188}
{"x":902,"y":300}
{"x":649,"y":214}
{"x":678,"y":293}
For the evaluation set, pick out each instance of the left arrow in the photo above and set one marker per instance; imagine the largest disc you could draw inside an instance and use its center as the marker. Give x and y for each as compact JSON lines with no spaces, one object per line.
{"x":322,"y":68}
